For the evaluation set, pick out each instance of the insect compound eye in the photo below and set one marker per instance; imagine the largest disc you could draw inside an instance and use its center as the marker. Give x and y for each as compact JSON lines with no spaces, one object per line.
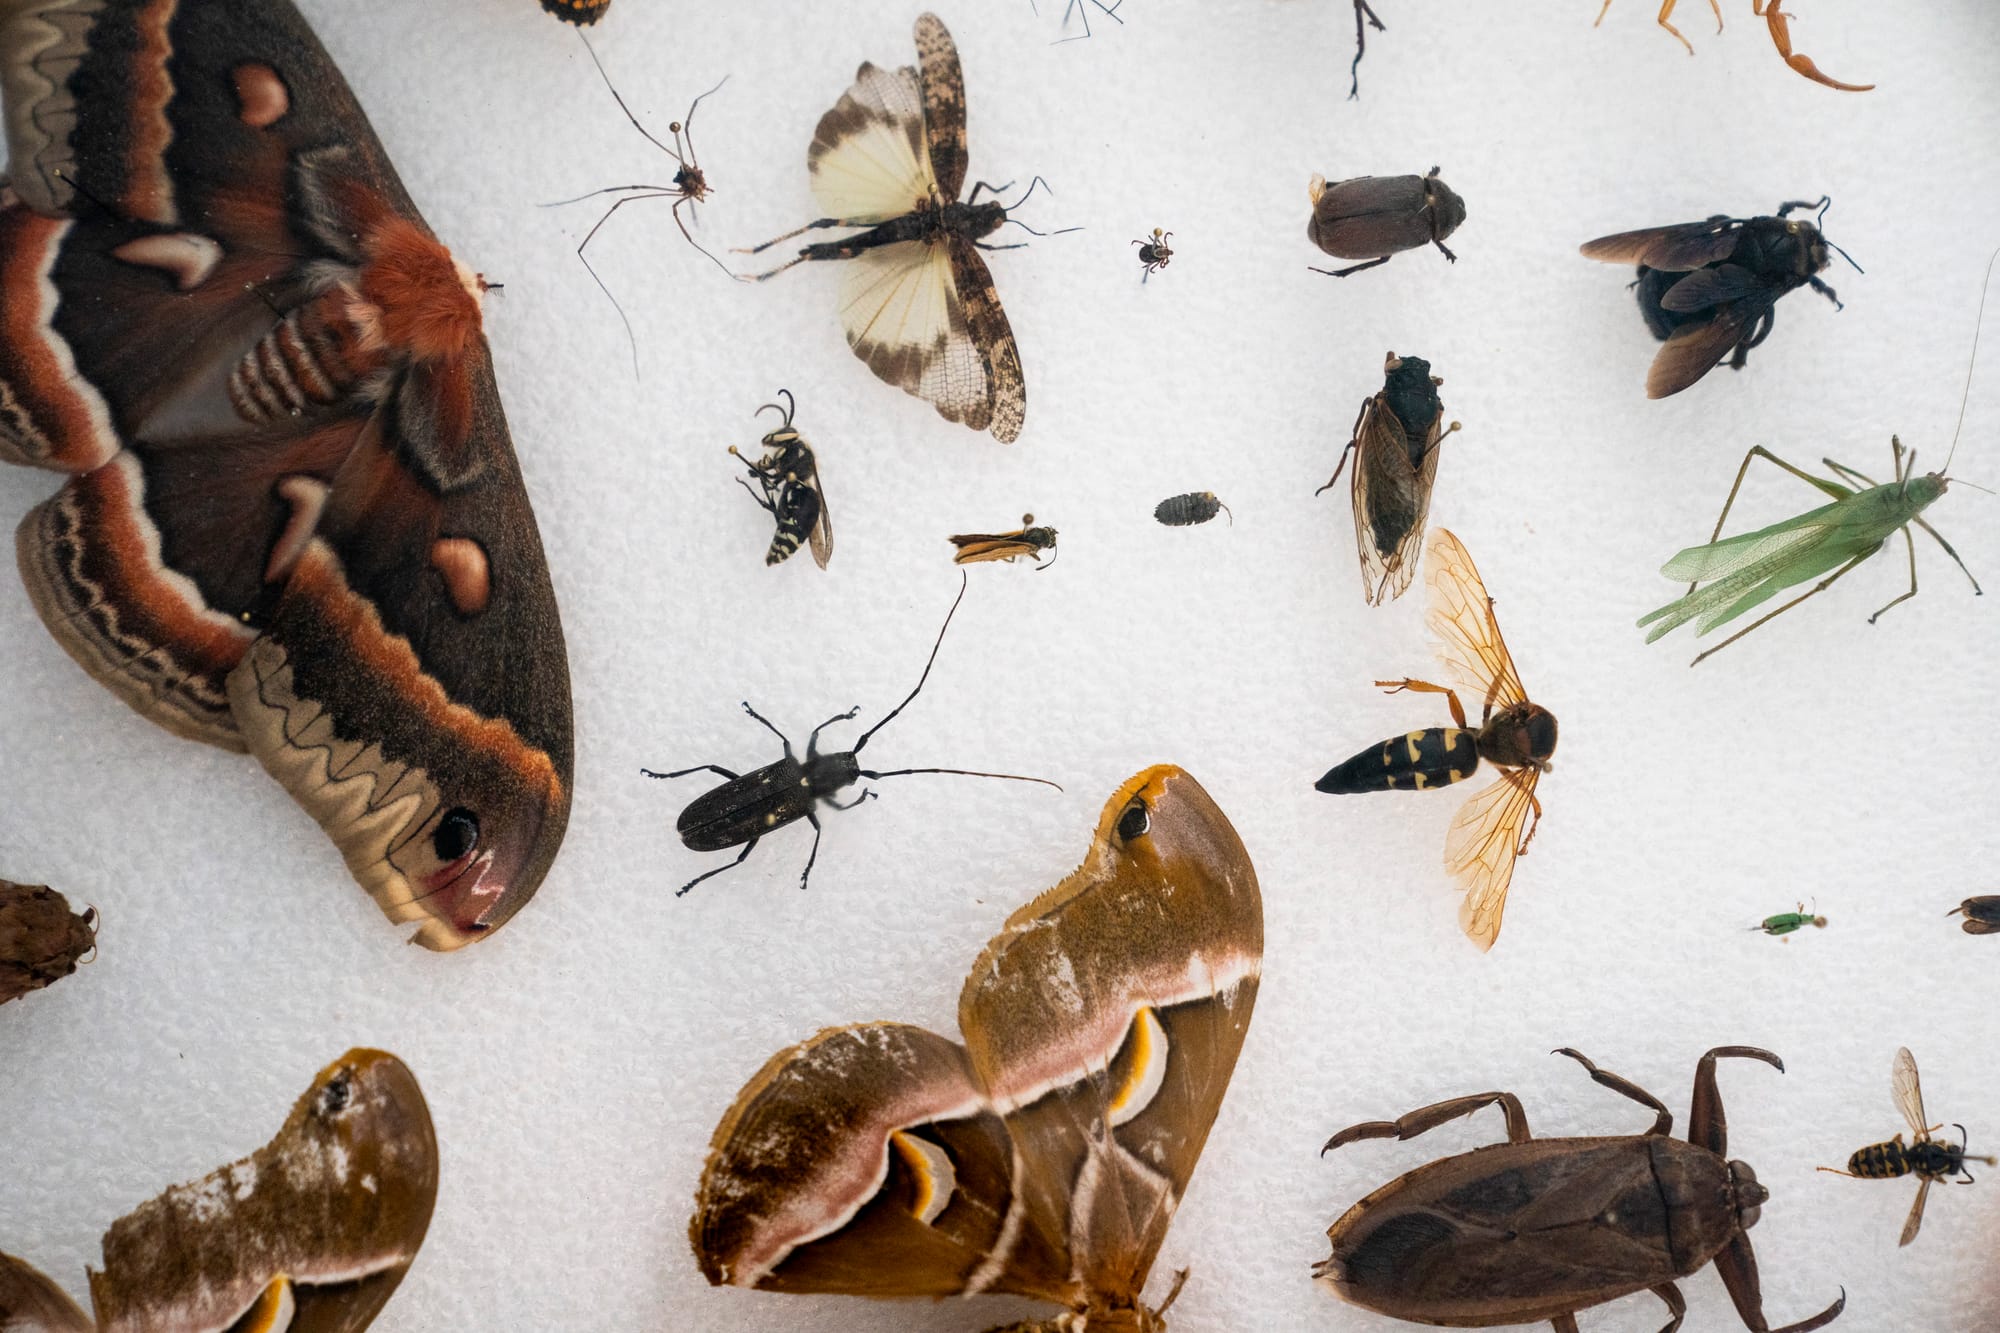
{"x":333,"y":1098}
{"x":457,"y":834}
{"x":1134,"y":822}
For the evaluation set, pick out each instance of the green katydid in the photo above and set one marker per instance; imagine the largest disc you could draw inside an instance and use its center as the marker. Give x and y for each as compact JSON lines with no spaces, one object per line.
{"x":1750,"y":568}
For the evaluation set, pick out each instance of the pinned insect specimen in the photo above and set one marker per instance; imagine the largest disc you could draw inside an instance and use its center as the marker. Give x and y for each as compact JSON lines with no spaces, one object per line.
{"x":1784,"y":923}
{"x":917,"y":301}
{"x":1374,"y":218}
{"x":1047,"y":1154}
{"x":580,"y":12}
{"x":1540,"y":1229}
{"x":688,"y":187}
{"x":1926,"y":1158}
{"x":1750,"y":568}
{"x":788,"y":477}
{"x":1154,"y":253}
{"x":1361,"y":12}
{"x":1027,"y":539}
{"x":41,"y":941}
{"x":1184,"y":511}
{"x":1780,"y":25}
{"x":1709,"y":290}
{"x":1395,"y":448}
{"x":1982,"y":914}
{"x":749,"y":805}
{"x":312,"y":1231}
{"x":294,"y":522}
{"x":1515,"y":736}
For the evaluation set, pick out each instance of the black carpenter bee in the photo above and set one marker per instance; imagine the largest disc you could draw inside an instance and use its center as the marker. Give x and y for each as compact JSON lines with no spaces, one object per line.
{"x":1709,"y":289}
{"x":788,"y":476}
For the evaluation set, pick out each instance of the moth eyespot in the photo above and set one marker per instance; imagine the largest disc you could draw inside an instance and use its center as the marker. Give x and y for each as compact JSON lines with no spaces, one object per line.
{"x":333,"y":1098}
{"x":1134,"y":822}
{"x":457,"y":834}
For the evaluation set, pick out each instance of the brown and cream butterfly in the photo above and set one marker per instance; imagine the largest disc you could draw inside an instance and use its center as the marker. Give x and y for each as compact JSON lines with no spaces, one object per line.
{"x":917,"y":301}
{"x":309,"y":1234}
{"x":1045,"y":1156}
{"x":294,"y":524}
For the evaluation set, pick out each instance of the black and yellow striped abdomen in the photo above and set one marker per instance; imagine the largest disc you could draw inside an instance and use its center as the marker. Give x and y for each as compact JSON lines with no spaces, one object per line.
{"x":1418,"y":761}
{"x":1880,"y":1161}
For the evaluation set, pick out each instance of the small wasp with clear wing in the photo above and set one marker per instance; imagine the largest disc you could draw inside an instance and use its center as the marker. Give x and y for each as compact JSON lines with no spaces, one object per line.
{"x":1926,"y":1158}
{"x":788,"y":476}
{"x":1514,"y":735}
{"x":1709,"y":290}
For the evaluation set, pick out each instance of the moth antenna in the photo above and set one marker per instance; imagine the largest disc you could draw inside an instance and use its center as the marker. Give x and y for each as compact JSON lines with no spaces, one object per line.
{"x":1978,"y":321}
{"x":931,"y":661}
{"x":962,"y":772}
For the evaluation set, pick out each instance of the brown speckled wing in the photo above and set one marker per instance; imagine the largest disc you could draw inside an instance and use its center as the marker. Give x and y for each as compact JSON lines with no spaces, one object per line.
{"x":944,"y":105}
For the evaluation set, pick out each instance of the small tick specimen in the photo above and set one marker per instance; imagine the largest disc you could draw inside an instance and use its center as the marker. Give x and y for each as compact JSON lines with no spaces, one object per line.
{"x":1374,"y":218}
{"x":917,"y":301}
{"x":1926,"y":1158}
{"x":1784,"y":923}
{"x":1515,"y":736}
{"x":1027,"y":539}
{"x":749,"y":805}
{"x":1154,"y":252}
{"x":788,"y":488}
{"x":1750,"y":568}
{"x":1780,"y":25}
{"x":1709,"y":290}
{"x":1982,"y":914}
{"x":1184,"y":511}
{"x":1540,"y":1229}
{"x":41,"y":940}
{"x":1362,"y":13}
{"x":1395,"y":448}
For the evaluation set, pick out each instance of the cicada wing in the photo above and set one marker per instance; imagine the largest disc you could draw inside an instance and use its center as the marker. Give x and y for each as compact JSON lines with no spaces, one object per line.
{"x":1685,"y":245}
{"x":1482,"y":845}
{"x":1916,"y":1217}
{"x":1461,"y":615}
{"x":1909,"y":1095}
{"x":1392,"y":498}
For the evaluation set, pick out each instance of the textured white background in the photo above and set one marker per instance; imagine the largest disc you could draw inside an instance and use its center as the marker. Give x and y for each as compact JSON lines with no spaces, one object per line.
{"x":577,"y":1063}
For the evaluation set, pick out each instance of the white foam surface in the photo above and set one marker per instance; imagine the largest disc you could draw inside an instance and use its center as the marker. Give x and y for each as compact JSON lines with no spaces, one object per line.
{"x":577,"y":1063}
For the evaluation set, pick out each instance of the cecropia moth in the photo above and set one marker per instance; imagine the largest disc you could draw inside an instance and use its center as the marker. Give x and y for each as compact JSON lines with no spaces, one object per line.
{"x":1047,"y":1154}
{"x":309,"y":1234}
{"x":295,"y":523}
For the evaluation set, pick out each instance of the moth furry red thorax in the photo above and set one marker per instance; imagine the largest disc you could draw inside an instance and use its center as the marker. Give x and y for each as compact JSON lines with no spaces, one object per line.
{"x":415,"y":298}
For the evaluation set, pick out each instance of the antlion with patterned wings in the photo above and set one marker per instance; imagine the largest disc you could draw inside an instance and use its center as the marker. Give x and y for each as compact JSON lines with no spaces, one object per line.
{"x":917,"y":302}
{"x":1515,"y":736}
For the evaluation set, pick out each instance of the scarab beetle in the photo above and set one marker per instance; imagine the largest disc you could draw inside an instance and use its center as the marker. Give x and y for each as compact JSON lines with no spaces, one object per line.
{"x":1538,"y":1229}
{"x":1372,"y":218}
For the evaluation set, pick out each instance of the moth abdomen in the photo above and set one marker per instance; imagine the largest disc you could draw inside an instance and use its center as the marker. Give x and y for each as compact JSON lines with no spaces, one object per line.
{"x":1416,"y":761}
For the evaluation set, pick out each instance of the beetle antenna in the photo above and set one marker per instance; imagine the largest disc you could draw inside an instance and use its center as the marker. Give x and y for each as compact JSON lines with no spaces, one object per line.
{"x":789,"y":407}
{"x":962,"y":772}
{"x":931,"y":661}
{"x":1978,"y":320}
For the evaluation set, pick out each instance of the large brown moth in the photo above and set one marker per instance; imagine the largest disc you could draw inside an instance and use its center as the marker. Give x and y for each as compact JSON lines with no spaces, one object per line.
{"x":1046,"y":1155}
{"x":309,"y":1234}
{"x":295,"y":523}
{"x":917,"y":301}
{"x":41,"y":939}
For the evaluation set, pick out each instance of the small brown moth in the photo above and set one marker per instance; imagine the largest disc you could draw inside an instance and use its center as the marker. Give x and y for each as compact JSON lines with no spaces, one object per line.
{"x":1046,"y":1155}
{"x":917,"y":301}
{"x":41,"y":939}
{"x":313,"y":1231}
{"x":1027,"y":539}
